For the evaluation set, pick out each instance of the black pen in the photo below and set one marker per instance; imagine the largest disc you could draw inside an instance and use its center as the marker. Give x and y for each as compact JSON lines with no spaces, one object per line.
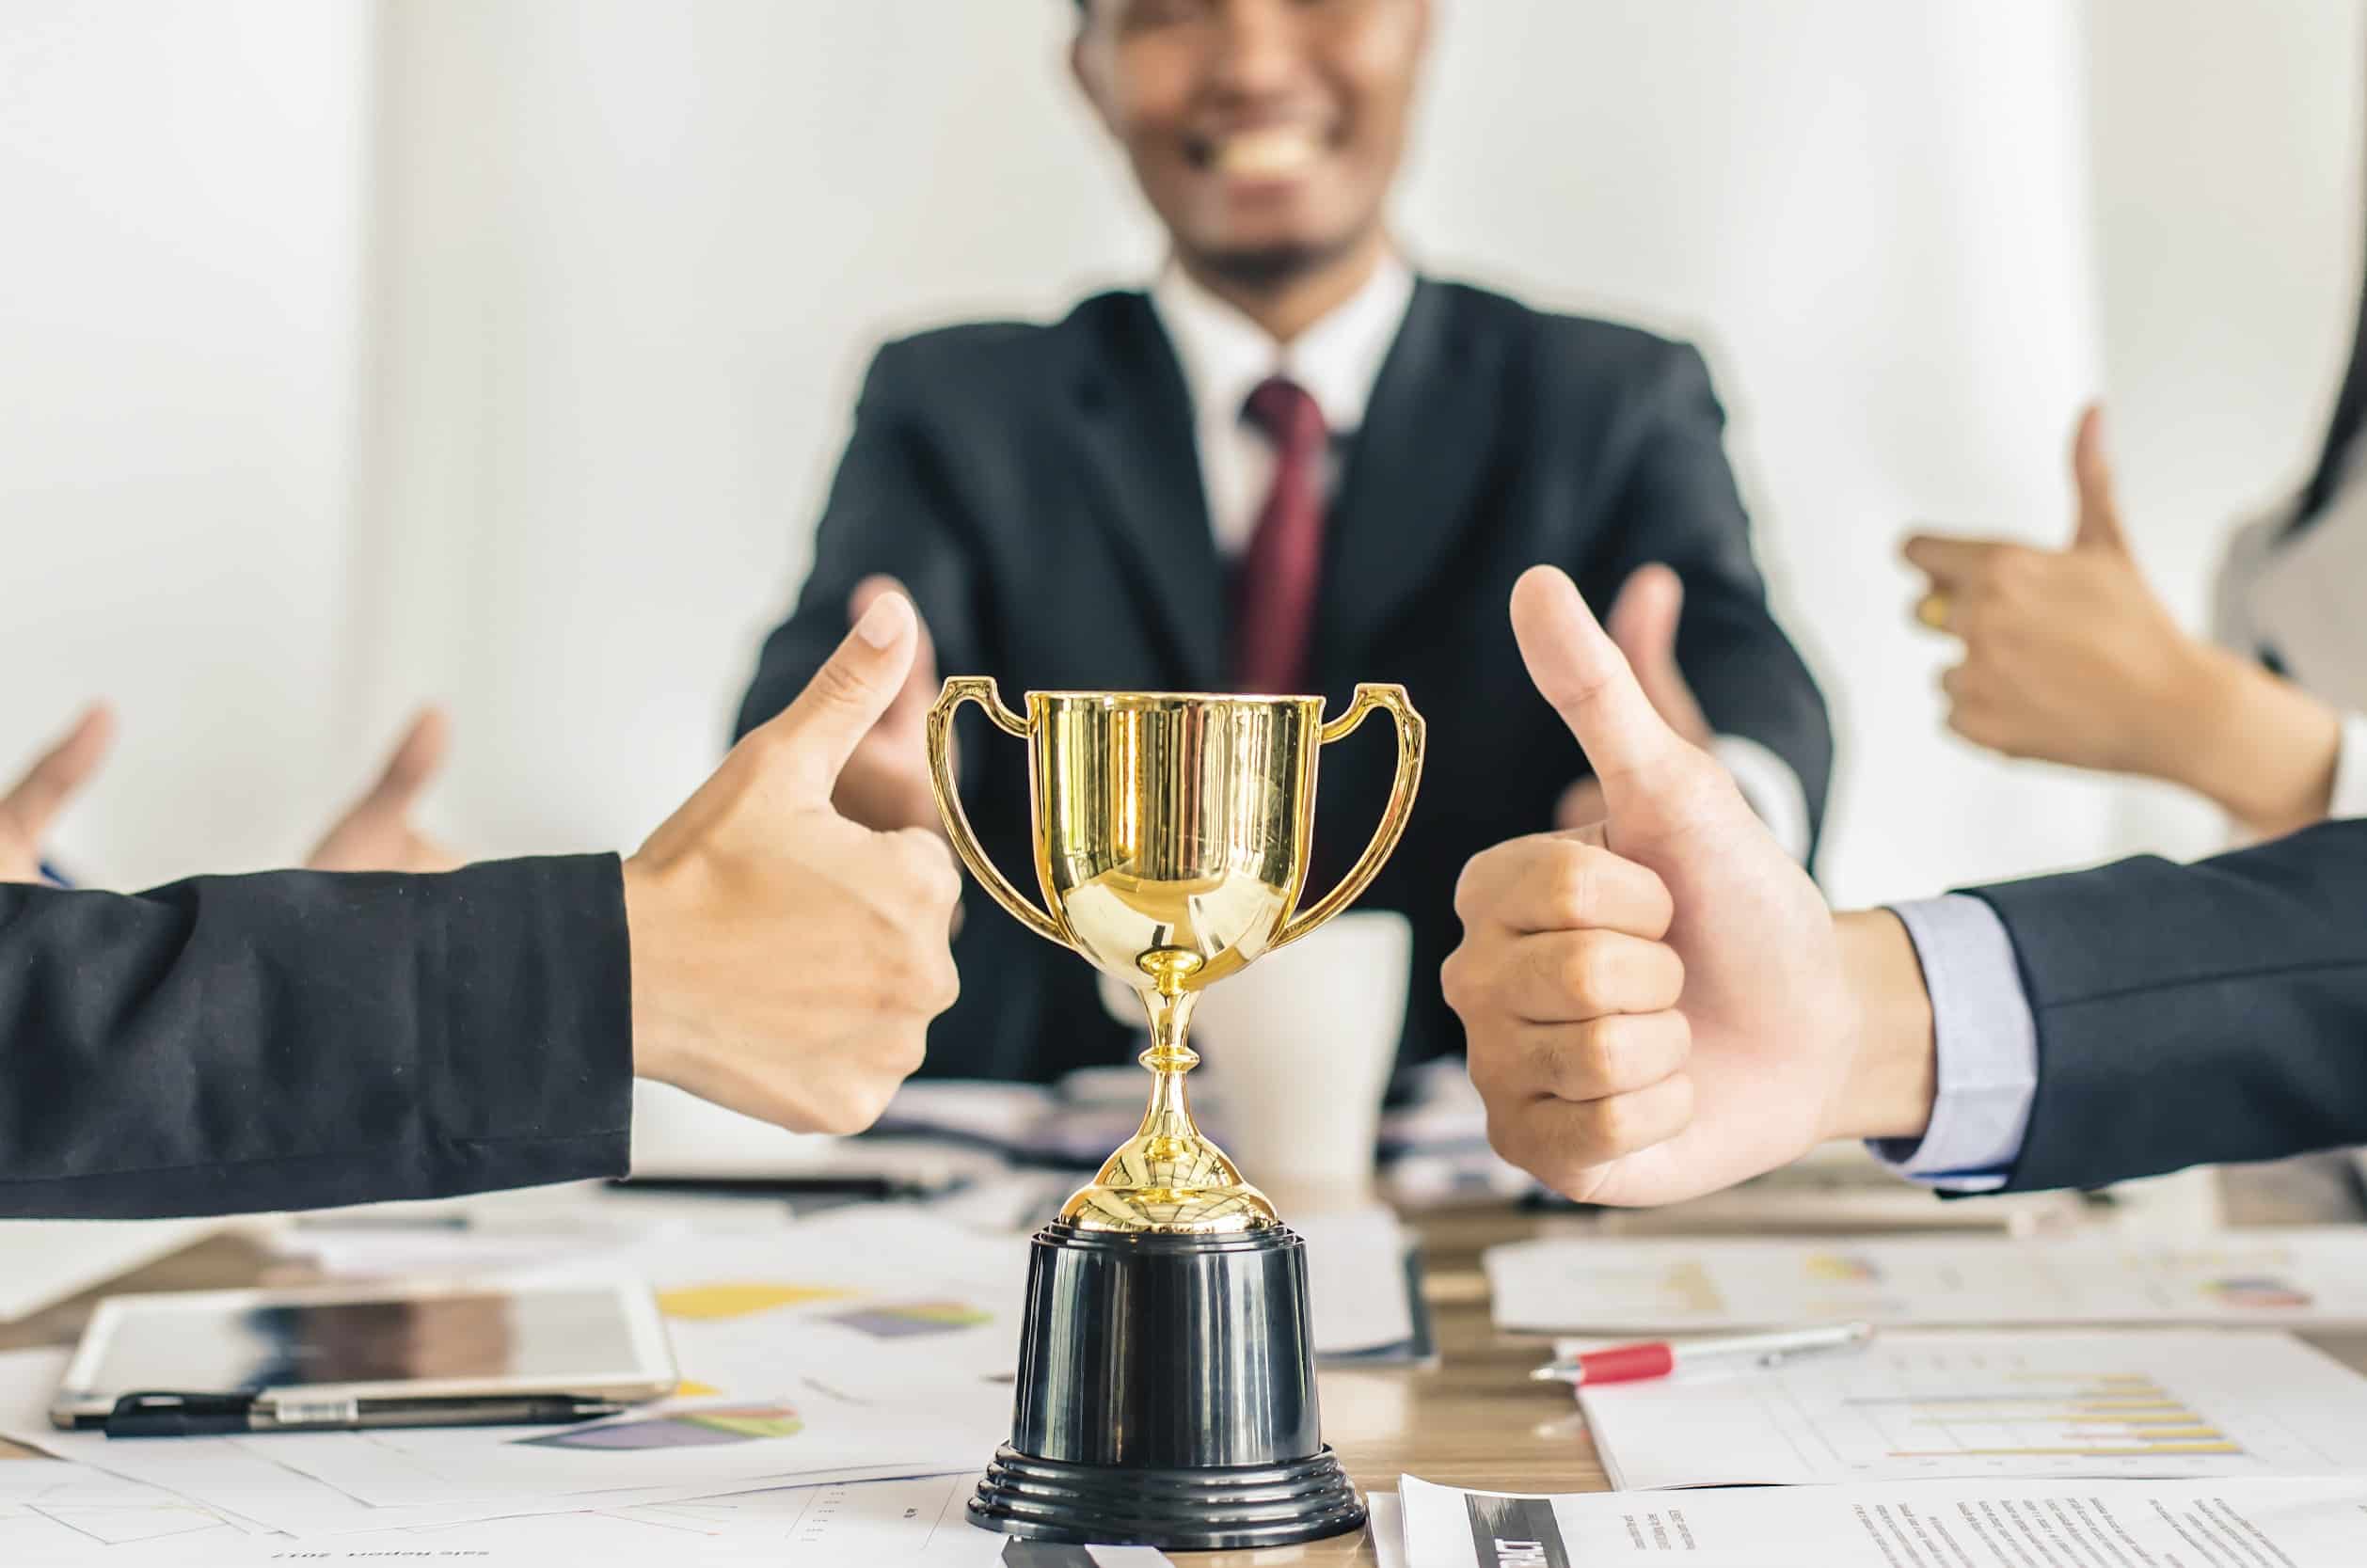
{"x":226,"y":1415}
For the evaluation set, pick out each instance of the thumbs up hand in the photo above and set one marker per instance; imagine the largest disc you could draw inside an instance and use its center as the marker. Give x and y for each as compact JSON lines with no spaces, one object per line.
{"x":1643,"y":624}
{"x":2069,"y":656}
{"x":787,"y":960}
{"x":376,"y":832}
{"x":56,"y":775}
{"x":1655,"y":1006}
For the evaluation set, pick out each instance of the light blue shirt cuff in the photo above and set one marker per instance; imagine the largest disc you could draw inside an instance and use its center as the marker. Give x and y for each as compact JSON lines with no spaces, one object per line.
{"x":2350,"y":769}
{"x":1988,"y":1044}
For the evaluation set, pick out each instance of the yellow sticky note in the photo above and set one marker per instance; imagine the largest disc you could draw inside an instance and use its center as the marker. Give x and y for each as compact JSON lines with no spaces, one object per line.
{"x":740,"y":1300}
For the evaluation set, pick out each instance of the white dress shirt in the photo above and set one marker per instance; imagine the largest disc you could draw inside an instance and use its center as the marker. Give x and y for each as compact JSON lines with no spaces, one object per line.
{"x":1224,"y":355}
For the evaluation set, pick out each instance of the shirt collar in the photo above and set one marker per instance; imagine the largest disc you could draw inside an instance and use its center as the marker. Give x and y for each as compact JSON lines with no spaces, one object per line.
{"x":1224,"y":355}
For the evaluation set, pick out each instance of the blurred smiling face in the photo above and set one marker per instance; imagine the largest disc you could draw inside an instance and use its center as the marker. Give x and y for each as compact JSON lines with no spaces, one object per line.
{"x":1266,"y":132}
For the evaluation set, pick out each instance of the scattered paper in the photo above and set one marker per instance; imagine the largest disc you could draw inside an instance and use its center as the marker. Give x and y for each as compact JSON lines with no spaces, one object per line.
{"x":62,"y":1515}
{"x":251,"y":1478}
{"x":2101,"y":1524}
{"x":2238,"y":1277}
{"x":487,"y":1233}
{"x":1929,"y":1405}
{"x":52,"y":1513}
{"x":1386,"y":1522}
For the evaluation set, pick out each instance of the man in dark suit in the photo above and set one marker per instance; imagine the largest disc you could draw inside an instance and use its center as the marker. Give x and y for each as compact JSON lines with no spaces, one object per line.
{"x":299,"y":1039}
{"x":1665,"y":1006}
{"x":1292,"y":465}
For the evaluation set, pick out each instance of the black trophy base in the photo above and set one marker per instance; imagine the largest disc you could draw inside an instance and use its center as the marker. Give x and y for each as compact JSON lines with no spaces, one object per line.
{"x":1166,"y":1397}
{"x":1207,"y":1508}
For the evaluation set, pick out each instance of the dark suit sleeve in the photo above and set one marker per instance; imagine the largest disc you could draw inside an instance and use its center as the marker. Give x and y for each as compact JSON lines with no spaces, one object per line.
{"x":890,"y":510}
{"x":300,"y":1040}
{"x":1680,"y":506}
{"x":2194,"y":1014}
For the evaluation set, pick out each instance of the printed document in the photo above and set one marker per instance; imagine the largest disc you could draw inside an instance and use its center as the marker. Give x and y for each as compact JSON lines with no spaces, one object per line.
{"x":2283,"y":1523}
{"x":2266,"y":1277}
{"x":1931,"y":1404}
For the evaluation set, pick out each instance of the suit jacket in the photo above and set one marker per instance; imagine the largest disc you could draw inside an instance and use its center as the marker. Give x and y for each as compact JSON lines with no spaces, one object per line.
{"x":295,"y":1040}
{"x":1038,"y":488}
{"x":2194,"y":1014}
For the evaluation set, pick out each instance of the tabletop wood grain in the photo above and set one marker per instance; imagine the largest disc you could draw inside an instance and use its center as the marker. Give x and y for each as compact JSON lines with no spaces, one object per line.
{"x":1474,"y":1419}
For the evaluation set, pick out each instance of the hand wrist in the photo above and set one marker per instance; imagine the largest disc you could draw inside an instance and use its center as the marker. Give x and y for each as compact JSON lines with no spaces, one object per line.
{"x":1891,"y":1076}
{"x":654,"y":1047}
{"x":2259,"y":747}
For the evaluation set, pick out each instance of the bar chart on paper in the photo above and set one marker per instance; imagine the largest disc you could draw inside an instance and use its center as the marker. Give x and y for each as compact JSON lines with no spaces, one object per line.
{"x":2042,"y":1414}
{"x":1938,"y":1405}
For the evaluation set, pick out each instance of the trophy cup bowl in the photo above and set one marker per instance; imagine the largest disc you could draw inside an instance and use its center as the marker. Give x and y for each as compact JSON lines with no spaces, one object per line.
{"x":1167,"y":1380}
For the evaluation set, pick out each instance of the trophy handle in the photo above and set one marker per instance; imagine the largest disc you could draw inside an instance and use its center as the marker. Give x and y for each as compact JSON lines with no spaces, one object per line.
{"x":980,"y":689}
{"x":1369,"y":697}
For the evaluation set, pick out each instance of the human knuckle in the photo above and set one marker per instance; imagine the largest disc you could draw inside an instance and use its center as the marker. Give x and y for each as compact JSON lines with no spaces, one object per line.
{"x":1466,"y":886}
{"x":838,"y":685}
{"x":1598,"y":1057}
{"x":1454,"y":979}
{"x":2016,"y":570}
{"x":1573,"y":885}
{"x":1620,"y":1123}
{"x":1580,"y":971}
{"x":1668,"y":976}
{"x":941,"y":981}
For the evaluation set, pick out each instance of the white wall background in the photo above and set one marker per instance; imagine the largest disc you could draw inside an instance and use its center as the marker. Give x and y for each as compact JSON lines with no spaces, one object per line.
{"x":604,"y":274}
{"x":181,"y":254}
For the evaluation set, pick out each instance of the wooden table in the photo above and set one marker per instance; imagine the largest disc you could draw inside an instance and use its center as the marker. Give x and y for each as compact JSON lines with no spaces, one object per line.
{"x":1475,"y":1419}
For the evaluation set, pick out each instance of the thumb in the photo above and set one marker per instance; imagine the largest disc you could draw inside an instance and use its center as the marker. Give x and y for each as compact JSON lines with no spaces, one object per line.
{"x":847,"y":696}
{"x":416,"y":758}
{"x":2099,"y":526}
{"x":920,"y":684}
{"x":1643,"y":623}
{"x":1577,"y":668}
{"x":53,"y":778}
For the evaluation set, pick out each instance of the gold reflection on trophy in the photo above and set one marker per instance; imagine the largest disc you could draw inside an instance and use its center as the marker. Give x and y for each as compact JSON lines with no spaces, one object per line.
{"x":1171,"y":837}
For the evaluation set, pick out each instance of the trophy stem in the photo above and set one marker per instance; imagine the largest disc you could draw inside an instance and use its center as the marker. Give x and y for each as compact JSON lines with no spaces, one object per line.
{"x":1171,"y":1016}
{"x":1169,"y":1117}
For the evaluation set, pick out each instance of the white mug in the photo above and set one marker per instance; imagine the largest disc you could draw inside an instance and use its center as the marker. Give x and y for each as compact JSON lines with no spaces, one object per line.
{"x":1296,"y":1055}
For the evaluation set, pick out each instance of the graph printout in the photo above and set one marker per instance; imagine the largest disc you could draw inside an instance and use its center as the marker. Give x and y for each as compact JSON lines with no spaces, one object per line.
{"x":2235,"y":1278}
{"x":1936,"y":1405}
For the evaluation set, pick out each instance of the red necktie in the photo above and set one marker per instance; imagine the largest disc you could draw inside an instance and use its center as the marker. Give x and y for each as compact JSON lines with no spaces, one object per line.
{"x":1274,"y":584}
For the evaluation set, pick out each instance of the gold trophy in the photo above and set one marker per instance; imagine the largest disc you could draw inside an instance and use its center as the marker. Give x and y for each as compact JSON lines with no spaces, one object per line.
{"x":1167,"y":1377}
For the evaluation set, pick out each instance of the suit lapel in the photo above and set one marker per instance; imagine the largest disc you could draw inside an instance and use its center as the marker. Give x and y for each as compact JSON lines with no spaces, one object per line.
{"x":1413,"y":474}
{"x":1136,"y":426}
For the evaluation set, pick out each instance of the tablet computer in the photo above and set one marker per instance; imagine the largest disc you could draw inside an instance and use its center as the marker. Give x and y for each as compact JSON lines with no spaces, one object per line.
{"x":327,"y":1358}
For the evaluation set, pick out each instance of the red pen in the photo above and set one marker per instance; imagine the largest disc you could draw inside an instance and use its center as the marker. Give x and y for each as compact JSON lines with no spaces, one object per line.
{"x":1659,"y":1357}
